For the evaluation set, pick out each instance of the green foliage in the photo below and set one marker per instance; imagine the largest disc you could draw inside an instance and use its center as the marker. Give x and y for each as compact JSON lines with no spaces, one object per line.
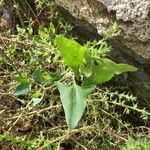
{"x":19,"y":142}
{"x":98,"y":70}
{"x":136,"y":145}
{"x":101,"y":72}
{"x":104,"y":69}
{"x":23,"y":87}
{"x":45,"y":77}
{"x":110,"y":31}
{"x":36,"y":98}
{"x":21,"y":79}
{"x":74,"y":101}
{"x":88,"y":65}
{"x":71,"y":51}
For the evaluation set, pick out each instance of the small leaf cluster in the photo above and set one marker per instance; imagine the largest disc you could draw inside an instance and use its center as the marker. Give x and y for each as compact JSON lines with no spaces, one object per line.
{"x":136,"y":144}
{"x":20,"y":142}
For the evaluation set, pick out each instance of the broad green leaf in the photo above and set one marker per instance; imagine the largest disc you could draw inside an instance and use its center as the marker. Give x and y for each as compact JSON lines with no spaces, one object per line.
{"x":21,"y":79}
{"x":71,"y":51}
{"x":73,"y":99}
{"x":22,"y":88}
{"x":117,"y":68}
{"x":104,"y":69}
{"x":100,"y":74}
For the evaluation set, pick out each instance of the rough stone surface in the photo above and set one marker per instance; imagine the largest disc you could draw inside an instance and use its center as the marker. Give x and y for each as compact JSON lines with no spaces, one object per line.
{"x":133,"y":17}
{"x":5,"y":18}
{"x":10,"y":15}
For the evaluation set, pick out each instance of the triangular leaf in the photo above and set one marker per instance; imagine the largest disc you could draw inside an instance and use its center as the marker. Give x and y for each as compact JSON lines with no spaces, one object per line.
{"x":117,"y":68}
{"x":71,"y":51}
{"x":22,"y":88}
{"x":104,"y":69}
{"x":73,"y":98}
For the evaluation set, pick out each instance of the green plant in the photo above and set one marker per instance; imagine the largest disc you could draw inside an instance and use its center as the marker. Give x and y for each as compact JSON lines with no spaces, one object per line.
{"x":136,"y":145}
{"x":20,"y":142}
{"x":89,"y":70}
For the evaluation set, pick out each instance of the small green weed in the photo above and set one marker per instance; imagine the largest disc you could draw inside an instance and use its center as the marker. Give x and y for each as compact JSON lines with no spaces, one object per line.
{"x":136,"y":145}
{"x":20,"y":142}
{"x":89,"y":70}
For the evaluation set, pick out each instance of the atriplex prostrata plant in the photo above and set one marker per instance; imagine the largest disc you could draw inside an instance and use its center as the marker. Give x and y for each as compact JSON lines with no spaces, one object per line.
{"x":89,"y":71}
{"x":88,"y":68}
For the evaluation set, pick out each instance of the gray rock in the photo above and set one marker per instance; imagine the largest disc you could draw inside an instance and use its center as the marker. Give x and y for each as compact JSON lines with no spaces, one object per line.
{"x":133,"y":17}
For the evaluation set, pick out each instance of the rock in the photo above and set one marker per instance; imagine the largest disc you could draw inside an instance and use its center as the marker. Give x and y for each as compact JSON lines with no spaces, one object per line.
{"x":13,"y":13}
{"x":6,"y":21}
{"x":133,"y":17}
